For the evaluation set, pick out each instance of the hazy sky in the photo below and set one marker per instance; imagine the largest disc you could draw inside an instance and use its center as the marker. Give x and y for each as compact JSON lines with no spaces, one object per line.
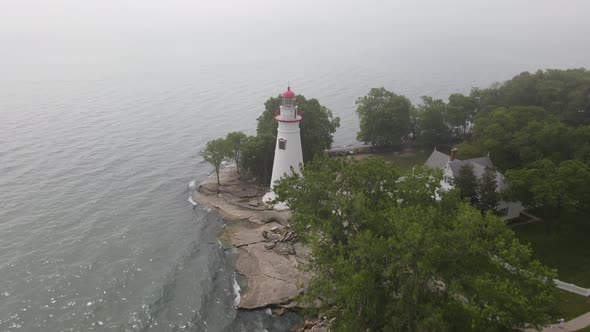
{"x":50,"y":35}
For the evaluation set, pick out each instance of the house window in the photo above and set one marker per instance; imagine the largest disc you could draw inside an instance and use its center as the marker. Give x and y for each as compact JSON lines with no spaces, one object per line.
{"x":448,"y":179}
{"x":282,"y":143}
{"x":503,"y":212}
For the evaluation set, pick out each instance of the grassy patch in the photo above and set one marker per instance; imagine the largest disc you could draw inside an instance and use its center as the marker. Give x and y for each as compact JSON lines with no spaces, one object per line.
{"x":570,"y":306}
{"x":562,"y":245}
{"x":407,"y":159}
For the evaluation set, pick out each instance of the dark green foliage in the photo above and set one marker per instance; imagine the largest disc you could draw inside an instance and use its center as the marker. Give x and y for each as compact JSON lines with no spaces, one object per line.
{"x":432,"y":113}
{"x":551,"y":186}
{"x":519,"y":135}
{"x":415,"y":129}
{"x":466,"y":183}
{"x":235,"y":140}
{"x":257,"y":157}
{"x":487,"y":193}
{"x":564,"y":93}
{"x":461,"y":110}
{"x":384,"y":117}
{"x":215,"y":152}
{"x":481,"y":193}
{"x":545,"y":115}
{"x":387,"y":257}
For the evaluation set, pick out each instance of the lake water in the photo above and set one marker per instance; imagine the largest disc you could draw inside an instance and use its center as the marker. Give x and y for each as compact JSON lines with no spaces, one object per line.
{"x":96,"y":158}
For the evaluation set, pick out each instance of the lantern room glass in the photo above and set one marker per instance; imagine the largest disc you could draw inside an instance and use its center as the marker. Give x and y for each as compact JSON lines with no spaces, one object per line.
{"x":288,"y":102}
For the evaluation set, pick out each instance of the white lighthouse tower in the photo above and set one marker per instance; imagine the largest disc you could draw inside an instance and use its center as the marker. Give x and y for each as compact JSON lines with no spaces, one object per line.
{"x":288,"y":148}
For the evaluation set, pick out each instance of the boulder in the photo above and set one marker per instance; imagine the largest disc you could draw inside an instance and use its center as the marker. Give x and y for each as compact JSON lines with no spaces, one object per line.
{"x":272,"y":278}
{"x":284,"y":248}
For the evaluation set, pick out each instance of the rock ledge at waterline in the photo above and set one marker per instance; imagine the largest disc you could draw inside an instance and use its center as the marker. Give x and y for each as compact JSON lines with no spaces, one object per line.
{"x":268,"y":254}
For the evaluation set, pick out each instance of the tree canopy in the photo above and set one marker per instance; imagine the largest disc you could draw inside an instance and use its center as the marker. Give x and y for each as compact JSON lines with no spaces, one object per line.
{"x":432,"y":114}
{"x":544,"y":115}
{"x":551,"y":186}
{"x":564,"y":93}
{"x":520,"y":135}
{"x":461,"y":111}
{"x":387,"y":256}
{"x":466,"y":183}
{"x":487,"y":191}
{"x":384,"y":117}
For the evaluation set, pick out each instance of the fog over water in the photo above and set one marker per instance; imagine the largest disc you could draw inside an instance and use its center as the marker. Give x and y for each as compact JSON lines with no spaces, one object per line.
{"x":104,"y":106}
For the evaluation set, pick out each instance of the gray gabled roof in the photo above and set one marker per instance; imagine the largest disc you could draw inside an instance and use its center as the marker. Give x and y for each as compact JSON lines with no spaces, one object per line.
{"x":437,"y":159}
{"x":456,"y":166}
{"x":484,"y":161}
{"x":478,"y":171}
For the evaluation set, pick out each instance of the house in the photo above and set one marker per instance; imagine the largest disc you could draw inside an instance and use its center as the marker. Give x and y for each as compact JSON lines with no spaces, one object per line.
{"x":451,"y":167}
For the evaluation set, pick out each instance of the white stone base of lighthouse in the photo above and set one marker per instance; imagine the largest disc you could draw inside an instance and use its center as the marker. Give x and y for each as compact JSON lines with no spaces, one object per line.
{"x":269,"y":197}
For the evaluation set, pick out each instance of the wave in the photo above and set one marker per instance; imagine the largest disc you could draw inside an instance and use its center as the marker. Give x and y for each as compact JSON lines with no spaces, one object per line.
{"x":192,"y":184}
{"x":237,"y":290}
{"x":190,"y":200}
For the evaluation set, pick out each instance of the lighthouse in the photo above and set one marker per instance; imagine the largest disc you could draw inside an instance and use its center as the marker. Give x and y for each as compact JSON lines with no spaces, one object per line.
{"x":288,"y":147}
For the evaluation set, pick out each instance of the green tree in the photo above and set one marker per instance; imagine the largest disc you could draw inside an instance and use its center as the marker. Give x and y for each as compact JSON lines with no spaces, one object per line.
{"x":258,"y":156}
{"x":384,"y":117}
{"x":564,"y":93}
{"x":215,"y":152}
{"x":503,"y":133}
{"x":317,"y":126}
{"x":550,"y":186}
{"x":432,"y":121}
{"x":415,"y":128}
{"x":235,"y":140}
{"x":487,"y":191}
{"x":387,"y":257}
{"x":466,"y":183}
{"x":460,"y":112}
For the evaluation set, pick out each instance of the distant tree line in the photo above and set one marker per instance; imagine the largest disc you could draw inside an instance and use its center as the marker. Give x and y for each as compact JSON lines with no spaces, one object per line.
{"x":389,"y":119}
{"x":532,"y":124}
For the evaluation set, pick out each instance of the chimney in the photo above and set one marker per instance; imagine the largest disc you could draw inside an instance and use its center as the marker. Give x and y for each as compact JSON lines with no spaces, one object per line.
{"x":453,"y":154}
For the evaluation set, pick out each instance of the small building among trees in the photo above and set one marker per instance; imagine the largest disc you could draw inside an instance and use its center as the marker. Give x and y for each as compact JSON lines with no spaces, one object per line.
{"x":477,"y":180}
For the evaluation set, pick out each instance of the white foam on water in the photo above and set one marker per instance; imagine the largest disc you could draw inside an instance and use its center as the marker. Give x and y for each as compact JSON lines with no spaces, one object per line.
{"x":236,"y":292}
{"x":192,"y":184}
{"x":190,"y":199}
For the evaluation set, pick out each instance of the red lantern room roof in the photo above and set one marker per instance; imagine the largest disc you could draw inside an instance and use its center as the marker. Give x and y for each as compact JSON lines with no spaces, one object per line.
{"x":288,"y":93}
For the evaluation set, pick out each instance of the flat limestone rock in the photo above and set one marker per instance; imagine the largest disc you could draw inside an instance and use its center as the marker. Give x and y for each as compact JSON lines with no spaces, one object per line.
{"x":237,"y":199}
{"x":247,"y":233}
{"x":272,"y":278}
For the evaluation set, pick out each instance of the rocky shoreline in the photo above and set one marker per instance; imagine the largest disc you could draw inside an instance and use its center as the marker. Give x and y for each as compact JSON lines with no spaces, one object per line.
{"x":268,"y":254}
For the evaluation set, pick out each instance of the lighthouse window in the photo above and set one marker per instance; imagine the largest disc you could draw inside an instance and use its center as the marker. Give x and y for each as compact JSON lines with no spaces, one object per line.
{"x":282,"y":144}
